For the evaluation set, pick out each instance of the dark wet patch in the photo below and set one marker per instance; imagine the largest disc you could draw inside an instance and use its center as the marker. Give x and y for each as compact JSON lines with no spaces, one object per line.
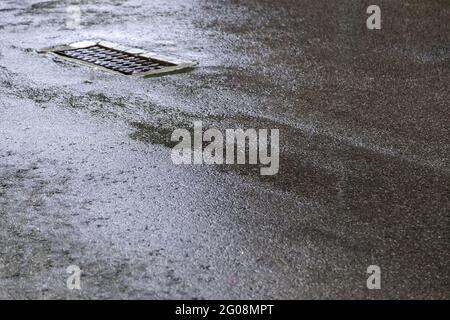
{"x":152,"y":133}
{"x":40,"y":96}
{"x":46,"y":5}
{"x":159,"y":129}
{"x":8,"y":9}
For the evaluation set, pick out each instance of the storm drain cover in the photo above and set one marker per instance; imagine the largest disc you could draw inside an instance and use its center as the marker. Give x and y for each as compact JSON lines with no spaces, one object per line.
{"x":117,"y":58}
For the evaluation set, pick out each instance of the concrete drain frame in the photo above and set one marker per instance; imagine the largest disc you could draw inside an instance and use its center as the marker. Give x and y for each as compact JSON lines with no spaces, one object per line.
{"x":118,"y":59}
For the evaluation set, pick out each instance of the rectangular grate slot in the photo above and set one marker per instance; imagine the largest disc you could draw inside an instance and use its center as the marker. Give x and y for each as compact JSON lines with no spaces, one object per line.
{"x":117,"y":58}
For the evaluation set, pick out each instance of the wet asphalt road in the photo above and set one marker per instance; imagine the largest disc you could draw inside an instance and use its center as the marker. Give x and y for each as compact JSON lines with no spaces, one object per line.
{"x":86,"y":176}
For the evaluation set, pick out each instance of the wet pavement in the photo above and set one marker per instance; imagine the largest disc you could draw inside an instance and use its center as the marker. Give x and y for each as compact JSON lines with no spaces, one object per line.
{"x":86,"y":176}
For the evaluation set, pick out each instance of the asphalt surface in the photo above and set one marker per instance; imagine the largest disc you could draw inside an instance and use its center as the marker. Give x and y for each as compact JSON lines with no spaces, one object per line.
{"x":86,"y":176}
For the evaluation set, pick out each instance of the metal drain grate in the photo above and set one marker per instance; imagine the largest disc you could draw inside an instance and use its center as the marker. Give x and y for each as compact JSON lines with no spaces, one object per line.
{"x":116,"y":58}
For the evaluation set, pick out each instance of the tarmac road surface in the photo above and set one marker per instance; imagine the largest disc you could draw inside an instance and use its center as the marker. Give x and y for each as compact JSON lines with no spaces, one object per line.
{"x":86,"y":176}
